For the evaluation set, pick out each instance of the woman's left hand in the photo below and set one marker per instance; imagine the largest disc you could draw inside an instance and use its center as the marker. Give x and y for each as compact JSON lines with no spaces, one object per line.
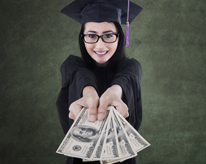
{"x":112,"y":97}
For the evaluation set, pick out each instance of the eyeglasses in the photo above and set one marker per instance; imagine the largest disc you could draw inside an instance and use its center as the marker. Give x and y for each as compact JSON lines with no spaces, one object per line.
{"x":93,"y":38}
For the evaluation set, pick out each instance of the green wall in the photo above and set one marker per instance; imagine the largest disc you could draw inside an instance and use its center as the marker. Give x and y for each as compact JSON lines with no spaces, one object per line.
{"x":35,"y":39}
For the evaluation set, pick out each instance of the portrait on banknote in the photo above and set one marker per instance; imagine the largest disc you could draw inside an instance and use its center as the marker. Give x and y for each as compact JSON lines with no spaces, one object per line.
{"x":84,"y":133}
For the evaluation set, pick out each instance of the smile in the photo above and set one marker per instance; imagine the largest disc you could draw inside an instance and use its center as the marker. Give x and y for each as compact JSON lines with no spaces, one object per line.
{"x":100,"y":53}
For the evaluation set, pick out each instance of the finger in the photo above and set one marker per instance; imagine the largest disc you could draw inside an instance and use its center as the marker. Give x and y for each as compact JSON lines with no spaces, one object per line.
{"x":92,"y":115}
{"x":75,"y":108}
{"x":71,"y":116}
{"x":123,"y":110}
{"x":76,"y":113}
{"x":72,"y":109}
{"x":104,"y":103}
{"x":92,"y":103}
{"x":126,"y":114}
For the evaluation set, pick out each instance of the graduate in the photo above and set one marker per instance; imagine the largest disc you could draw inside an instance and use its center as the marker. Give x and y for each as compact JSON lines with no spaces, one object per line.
{"x":103,"y":76}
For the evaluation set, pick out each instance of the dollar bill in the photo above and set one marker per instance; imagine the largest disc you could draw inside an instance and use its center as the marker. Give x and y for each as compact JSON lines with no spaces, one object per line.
{"x":109,"y":141}
{"x":137,"y":141}
{"x":124,"y":155}
{"x":82,"y":138}
{"x":126,"y":150}
{"x":100,"y":145}
{"x":111,"y":146}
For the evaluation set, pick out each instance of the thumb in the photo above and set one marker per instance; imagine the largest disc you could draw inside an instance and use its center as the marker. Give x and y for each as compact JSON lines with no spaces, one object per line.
{"x":102,"y":109}
{"x":92,"y":113}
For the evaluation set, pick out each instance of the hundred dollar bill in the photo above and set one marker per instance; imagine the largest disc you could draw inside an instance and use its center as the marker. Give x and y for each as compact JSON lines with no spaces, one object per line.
{"x":99,"y":147}
{"x":100,"y":144}
{"x":137,"y":141}
{"x":126,"y":150}
{"x":96,"y":155}
{"x":111,"y":147}
{"x":114,"y":161}
{"x":82,"y":137}
{"x":122,"y":157}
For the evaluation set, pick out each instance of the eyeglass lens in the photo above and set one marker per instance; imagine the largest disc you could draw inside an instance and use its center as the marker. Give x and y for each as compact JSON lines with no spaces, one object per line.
{"x":93,"y":38}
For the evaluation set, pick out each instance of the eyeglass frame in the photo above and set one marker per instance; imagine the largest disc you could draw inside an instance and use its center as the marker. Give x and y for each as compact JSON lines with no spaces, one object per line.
{"x":99,"y":36}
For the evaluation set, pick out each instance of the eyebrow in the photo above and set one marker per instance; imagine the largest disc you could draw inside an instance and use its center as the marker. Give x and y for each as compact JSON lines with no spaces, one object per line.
{"x":108,"y":31}
{"x":103,"y":32}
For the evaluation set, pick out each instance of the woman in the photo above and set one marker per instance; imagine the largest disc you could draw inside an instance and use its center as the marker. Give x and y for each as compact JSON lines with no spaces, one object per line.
{"x":103,"y":76}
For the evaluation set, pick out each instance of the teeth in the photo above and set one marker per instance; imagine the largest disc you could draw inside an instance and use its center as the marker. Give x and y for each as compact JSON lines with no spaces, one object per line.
{"x":101,"y":53}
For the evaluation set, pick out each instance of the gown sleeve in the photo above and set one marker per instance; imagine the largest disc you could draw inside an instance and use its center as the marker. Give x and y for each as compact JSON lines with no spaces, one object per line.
{"x":74,"y":67}
{"x":74,"y":78}
{"x":128,"y":76}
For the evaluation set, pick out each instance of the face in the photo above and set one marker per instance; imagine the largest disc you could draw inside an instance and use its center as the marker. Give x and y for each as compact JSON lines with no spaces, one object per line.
{"x":101,"y":52}
{"x":83,"y":132}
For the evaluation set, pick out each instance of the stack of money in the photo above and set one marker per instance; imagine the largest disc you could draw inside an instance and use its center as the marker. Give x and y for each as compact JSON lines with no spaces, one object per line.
{"x":109,"y":141}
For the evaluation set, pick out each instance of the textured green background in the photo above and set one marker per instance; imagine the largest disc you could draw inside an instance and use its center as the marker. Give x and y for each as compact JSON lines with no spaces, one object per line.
{"x":35,"y":39}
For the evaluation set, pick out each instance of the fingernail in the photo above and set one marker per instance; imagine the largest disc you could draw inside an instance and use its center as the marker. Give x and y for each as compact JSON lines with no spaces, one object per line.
{"x":92,"y":118}
{"x":101,"y":116}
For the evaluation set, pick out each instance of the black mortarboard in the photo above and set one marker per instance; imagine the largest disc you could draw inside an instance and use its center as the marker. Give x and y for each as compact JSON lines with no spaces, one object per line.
{"x":101,"y":10}
{"x":121,"y":11}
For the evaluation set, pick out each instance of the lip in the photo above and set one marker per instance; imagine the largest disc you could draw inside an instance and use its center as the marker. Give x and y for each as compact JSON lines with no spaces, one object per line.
{"x":98,"y":53}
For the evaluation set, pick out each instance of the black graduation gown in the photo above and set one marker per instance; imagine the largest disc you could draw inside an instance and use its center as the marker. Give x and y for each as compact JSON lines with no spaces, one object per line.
{"x":76,"y":76}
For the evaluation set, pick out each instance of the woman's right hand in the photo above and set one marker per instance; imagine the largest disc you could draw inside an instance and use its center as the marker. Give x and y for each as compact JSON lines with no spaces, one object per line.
{"x":89,"y":100}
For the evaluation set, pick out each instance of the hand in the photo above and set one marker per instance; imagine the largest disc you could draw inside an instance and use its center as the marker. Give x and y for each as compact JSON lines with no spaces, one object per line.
{"x":112,"y":97}
{"x":89,"y":100}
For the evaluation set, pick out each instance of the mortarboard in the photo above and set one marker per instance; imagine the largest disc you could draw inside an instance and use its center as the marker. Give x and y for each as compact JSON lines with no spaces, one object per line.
{"x":121,"y":11}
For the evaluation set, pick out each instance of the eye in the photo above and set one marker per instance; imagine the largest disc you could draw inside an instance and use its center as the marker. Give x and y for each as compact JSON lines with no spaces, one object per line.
{"x":108,"y":35}
{"x":92,"y":36}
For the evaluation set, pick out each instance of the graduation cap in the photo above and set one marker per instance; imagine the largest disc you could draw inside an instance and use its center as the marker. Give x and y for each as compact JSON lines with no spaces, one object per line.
{"x":121,"y":11}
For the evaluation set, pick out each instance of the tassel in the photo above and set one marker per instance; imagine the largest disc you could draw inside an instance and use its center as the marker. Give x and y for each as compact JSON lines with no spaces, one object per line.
{"x":127,"y":27}
{"x":127,"y":35}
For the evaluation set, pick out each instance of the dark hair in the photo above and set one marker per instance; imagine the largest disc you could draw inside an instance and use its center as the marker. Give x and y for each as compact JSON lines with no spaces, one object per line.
{"x":118,"y":55}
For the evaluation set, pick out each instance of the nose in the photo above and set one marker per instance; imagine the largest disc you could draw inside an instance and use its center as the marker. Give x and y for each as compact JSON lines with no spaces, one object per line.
{"x":100,"y":44}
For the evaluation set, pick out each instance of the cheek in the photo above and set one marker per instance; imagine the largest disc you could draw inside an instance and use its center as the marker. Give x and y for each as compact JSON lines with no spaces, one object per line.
{"x":114,"y":47}
{"x":89,"y":47}
{"x":116,"y":44}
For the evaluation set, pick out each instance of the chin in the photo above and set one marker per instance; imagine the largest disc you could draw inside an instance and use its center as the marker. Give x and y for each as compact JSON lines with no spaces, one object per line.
{"x":101,"y":63}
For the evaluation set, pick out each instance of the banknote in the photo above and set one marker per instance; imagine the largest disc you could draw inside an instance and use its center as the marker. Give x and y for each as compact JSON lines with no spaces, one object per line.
{"x":82,"y":138}
{"x":126,"y":150}
{"x":137,"y":141}
{"x":111,"y":146}
{"x":109,"y":141}
{"x":100,"y":144}
{"x":125,"y":146}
